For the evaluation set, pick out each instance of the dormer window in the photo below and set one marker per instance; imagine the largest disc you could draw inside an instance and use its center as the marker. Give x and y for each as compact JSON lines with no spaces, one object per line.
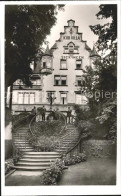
{"x":71,"y":48}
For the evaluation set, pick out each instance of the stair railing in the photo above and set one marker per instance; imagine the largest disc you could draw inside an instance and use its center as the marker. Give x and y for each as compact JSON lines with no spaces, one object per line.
{"x":72,"y":150}
{"x":17,"y":123}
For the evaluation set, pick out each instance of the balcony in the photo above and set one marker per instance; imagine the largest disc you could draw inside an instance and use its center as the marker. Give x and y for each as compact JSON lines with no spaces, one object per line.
{"x":24,"y":87}
{"x":46,"y":71}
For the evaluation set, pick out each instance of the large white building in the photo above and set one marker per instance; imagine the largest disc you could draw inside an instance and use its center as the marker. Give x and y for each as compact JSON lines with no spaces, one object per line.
{"x":57,"y":77}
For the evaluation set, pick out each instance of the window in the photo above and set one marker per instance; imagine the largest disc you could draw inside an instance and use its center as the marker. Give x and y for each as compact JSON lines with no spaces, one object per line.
{"x":71,"y":48}
{"x":79,"y":81}
{"x":44,"y":65}
{"x":60,"y":80}
{"x":51,"y":97}
{"x":36,"y":82}
{"x":81,"y":99}
{"x":63,"y":64}
{"x":26,"y":98}
{"x":32,"y":98}
{"x":18,"y":82}
{"x":57,"y":80}
{"x":78,"y":99}
{"x":20,"y":98}
{"x":78,"y":64}
{"x":63,"y":98}
{"x":63,"y":80}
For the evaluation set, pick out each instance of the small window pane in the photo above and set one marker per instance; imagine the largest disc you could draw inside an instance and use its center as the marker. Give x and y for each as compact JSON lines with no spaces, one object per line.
{"x":26,"y":98}
{"x":20,"y":98}
{"x":32,"y":96}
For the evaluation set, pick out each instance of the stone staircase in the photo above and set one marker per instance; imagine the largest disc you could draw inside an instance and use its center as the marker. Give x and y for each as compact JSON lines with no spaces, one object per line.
{"x":33,"y":161}
{"x":69,"y":140}
{"x":20,"y":140}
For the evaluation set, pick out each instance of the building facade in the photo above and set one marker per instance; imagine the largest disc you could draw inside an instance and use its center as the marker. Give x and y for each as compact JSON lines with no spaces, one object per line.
{"x":57,"y":75}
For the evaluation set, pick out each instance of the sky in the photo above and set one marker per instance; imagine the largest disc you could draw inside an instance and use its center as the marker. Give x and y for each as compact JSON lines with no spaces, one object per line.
{"x":84,"y":15}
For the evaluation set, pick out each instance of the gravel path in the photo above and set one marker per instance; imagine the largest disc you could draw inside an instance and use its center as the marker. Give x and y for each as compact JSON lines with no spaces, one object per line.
{"x":24,"y":178}
{"x":93,"y":172}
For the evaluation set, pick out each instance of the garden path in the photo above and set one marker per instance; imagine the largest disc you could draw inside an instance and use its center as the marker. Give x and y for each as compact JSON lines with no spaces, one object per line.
{"x":24,"y":178}
{"x":94,"y":171}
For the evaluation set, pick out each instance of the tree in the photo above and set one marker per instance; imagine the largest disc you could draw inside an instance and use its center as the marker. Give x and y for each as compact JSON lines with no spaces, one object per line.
{"x":102,"y":77}
{"x":26,"y":28}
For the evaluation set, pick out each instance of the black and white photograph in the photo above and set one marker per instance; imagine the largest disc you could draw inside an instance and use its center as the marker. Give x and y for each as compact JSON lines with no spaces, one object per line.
{"x":60,"y":97}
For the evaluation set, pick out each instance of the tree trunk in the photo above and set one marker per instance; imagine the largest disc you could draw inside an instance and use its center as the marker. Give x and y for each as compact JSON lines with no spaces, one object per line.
{"x":11,"y":96}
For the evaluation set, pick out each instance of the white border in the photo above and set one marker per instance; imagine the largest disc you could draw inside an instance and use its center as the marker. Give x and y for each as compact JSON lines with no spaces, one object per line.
{"x":60,"y":190}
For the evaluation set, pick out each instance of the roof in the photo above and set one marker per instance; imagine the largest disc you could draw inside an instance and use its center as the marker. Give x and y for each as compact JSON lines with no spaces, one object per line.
{"x":47,"y":52}
{"x":54,"y":46}
{"x":87,"y":47}
{"x":94,"y":53}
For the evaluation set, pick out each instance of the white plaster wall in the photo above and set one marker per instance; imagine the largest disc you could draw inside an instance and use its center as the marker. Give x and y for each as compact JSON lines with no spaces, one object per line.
{"x":8,"y":131}
{"x":48,"y":81}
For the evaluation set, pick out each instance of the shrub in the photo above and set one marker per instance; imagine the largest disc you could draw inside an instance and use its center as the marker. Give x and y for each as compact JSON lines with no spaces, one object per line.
{"x":8,"y":165}
{"x":47,"y":128}
{"x":52,"y":175}
{"x":16,"y":154}
{"x":47,"y":144}
{"x":74,"y":159}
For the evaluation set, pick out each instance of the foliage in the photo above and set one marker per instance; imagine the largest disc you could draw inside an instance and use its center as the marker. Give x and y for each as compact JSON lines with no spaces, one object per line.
{"x":26,"y":28}
{"x":82,"y":114}
{"x":107,"y":31}
{"x":85,"y":127}
{"x":19,"y":116}
{"x":44,"y":144}
{"x":101,"y":78}
{"x":17,"y":154}
{"x":8,"y":165}
{"x":52,"y":175}
{"x":74,"y":159}
{"x":47,"y":128}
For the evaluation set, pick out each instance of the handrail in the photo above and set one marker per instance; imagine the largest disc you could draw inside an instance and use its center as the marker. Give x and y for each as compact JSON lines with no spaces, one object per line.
{"x":16,"y":123}
{"x":70,"y":150}
{"x":30,"y":124}
{"x":64,"y":120}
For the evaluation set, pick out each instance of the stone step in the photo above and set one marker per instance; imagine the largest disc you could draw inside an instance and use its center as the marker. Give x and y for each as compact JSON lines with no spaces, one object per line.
{"x":36,"y":160}
{"x":20,"y":137}
{"x":26,"y":150}
{"x":41,"y":157}
{"x":29,"y":164}
{"x":32,"y":168}
{"x":25,"y":147}
{"x":21,"y":142}
{"x":24,"y":128}
{"x":72,"y":142}
{"x":42,"y":153}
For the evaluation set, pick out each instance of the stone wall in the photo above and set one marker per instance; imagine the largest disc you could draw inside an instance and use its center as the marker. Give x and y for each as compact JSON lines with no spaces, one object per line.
{"x":98,"y":148}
